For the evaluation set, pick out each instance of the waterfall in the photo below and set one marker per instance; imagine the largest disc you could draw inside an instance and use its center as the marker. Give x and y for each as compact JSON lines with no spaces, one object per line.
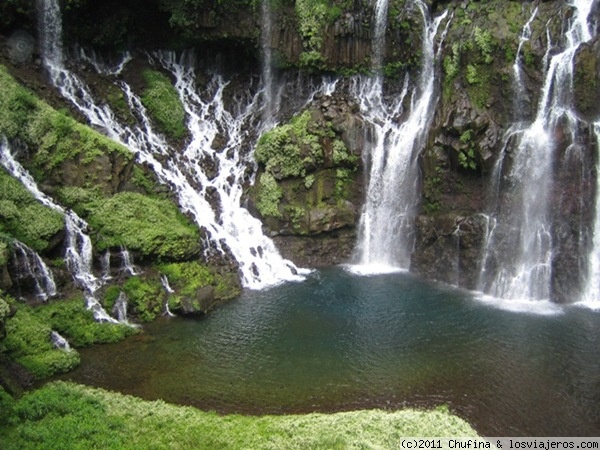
{"x":119,"y":309}
{"x":105,"y":262}
{"x":517,"y":71}
{"x":169,"y":290}
{"x":29,"y":265}
{"x":519,"y":258}
{"x":230,"y":227}
{"x":393,"y":193}
{"x":78,"y":252}
{"x":268,"y":81}
{"x":127,"y":265}
{"x":591,"y":291}
{"x":59,"y":342}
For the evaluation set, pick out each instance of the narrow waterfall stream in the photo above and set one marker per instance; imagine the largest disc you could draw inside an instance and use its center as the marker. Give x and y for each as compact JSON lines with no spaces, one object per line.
{"x":386,"y":226}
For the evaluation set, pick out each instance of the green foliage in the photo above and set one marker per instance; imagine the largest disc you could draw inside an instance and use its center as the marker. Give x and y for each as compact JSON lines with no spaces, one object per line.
{"x":28,"y":342}
{"x":342,"y":156}
{"x":4,"y":253}
{"x":309,"y":181}
{"x":140,"y":179}
{"x":77,"y":324}
{"x":472,"y":75}
{"x":312,"y":18}
{"x":146,"y":297}
{"x":452,"y":62}
{"x":23,"y":217}
{"x":484,"y":41}
{"x":288,"y":149}
{"x":4,"y":310}
{"x":467,"y":157}
{"x":163,"y":103}
{"x":187,"y":277}
{"x":56,"y":136}
{"x":65,"y":415}
{"x":151,"y":226}
{"x":269,"y":194}
{"x":61,"y":417}
{"x":311,"y":61}
{"x":343,"y":178}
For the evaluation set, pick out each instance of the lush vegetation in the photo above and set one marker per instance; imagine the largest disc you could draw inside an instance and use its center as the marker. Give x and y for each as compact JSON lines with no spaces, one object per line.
{"x":28,"y":334}
{"x":65,"y":415}
{"x":151,"y":226}
{"x":56,"y":136}
{"x":163,"y":104}
{"x":24,"y":218}
{"x":189,"y":278}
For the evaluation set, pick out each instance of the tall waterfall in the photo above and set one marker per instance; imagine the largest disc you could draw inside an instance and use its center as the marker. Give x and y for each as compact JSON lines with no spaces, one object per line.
{"x":393,"y":193}
{"x":591,"y":292}
{"x":78,"y":252}
{"x":214,"y":201}
{"x":518,"y":264}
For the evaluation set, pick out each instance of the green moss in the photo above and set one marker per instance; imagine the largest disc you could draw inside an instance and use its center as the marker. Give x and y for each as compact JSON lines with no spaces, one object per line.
{"x":187,"y":277}
{"x":146,"y":297}
{"x":151,"y":226}
{"x":76,"y":323}
{"x":60,"y":414}
{"x":288,"y":149}
{"x":28,"y":342}
{"x":269,"y":194}
{"x":4,"y":310}
{"x":23,"y":217}
{"x":163,"y":103}
{"x":55,"y":136}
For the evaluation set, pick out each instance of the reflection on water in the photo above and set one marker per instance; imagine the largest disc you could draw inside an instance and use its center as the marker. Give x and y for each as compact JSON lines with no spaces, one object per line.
{"x":339,"y":341}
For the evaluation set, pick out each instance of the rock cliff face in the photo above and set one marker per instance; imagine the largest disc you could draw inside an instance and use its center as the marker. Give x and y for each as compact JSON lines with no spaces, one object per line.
{"x":310,"y":201}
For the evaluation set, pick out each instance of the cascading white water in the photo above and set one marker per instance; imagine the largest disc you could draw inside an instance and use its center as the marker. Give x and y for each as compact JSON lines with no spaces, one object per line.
{"x":521,"y":267}
{"x":386,"y":224}
{"x":591,"y":291}
{"x":127,"y":264}
{"x":119,"y":309}
{"x":31,"y":265}
{"x":259,"y":260}
{"x":78,"y":252}
{"x":59,"y":342}
{"x":232,"y":227}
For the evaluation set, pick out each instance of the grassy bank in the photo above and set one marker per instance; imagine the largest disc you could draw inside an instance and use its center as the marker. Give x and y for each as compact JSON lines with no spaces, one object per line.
{"x":65,"y":415}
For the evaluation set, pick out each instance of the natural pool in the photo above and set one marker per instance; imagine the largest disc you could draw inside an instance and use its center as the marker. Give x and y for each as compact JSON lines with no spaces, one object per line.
{"x":339,"y":341}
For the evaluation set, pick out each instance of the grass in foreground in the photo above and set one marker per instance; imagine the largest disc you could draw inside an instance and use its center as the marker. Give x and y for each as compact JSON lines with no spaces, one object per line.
{"x":66,"y":415}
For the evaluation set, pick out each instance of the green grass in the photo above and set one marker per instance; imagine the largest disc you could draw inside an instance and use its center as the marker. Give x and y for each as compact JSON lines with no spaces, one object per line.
{"x":65,"y":415}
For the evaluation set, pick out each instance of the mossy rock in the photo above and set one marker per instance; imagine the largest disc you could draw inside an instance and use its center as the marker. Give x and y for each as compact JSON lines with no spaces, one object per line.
{"x":198,"y":288}
{"x":163,"y":104}
{"x":23,"y":218}
{"x":153,"y":227}
{"x":65,"y":151}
